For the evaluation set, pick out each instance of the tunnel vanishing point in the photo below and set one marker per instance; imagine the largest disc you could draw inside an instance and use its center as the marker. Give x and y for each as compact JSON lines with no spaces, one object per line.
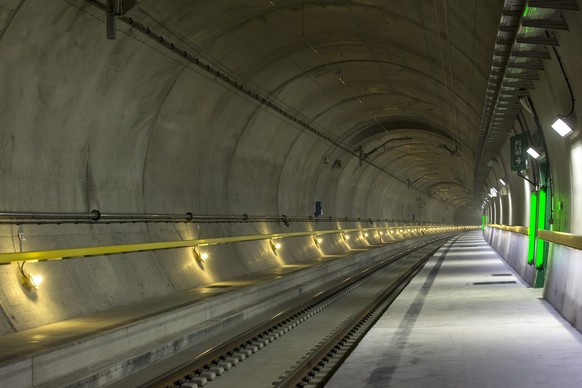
{"x":150,"y":147}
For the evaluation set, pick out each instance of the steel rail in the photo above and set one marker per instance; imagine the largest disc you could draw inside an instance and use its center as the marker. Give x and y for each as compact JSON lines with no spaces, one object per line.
{"x":66,"y":253}
{"x":305,"y":371}
{"x":214,"y":356}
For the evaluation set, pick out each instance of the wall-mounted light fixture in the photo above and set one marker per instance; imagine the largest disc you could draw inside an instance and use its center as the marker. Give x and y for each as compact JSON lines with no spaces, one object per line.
{"x":201,"y":257}
{"x":561,"y":127}
{"x":30,"y":280}
{"x":493,"y":192}
{"x":345,"y":237}
{"x":533,"y":153}
{"x":366,"y":234}
{"x":275,"y":246}
{"x":502,"y":182}
{"x":317,"y":240}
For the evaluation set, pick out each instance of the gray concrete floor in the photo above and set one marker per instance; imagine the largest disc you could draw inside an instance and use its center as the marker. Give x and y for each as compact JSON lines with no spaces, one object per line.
{"x":446,"y":331}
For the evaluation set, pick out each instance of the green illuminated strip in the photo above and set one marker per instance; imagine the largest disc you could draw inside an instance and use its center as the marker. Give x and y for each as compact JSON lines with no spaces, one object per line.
{"x":483,"y":222}
{"x":541,"y":225}
{"x":525,"y":11}
{"x":532,"y":227}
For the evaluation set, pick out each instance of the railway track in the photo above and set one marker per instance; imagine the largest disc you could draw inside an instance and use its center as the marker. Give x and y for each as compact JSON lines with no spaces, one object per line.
{"x":302,"y":346}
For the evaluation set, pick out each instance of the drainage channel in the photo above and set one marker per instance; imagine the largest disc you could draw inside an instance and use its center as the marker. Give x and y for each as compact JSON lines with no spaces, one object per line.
{"x":278,"y":347}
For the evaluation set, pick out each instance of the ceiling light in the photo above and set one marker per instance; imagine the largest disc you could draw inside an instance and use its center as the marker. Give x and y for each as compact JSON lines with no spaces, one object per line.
{"x":502,"y":182}
{"x":493,"y":192}
{"x":561,"y":127}
{"x":533,"y":153}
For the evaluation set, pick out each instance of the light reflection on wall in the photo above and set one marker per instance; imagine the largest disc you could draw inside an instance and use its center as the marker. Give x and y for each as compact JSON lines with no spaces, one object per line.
{"x":501,"y":219}
{"x":576,"y":189}
{"x":527,"y":193}
{"x":509,"y":201}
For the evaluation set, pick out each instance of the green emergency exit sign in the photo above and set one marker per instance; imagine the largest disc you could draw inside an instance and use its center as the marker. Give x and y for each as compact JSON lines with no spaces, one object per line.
{"x":518,"y":152}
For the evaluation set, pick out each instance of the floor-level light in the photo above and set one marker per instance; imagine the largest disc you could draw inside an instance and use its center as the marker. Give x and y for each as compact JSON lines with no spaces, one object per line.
{"x":201,"y":257}
{"x":30,"y":280}
{"x":317,"y":240}
{"x":275,"y":246}
{"x":561,"y":127}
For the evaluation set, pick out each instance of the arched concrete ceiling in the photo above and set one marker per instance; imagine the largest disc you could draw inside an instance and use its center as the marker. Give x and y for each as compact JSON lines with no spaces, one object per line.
{"x":364,"y":72}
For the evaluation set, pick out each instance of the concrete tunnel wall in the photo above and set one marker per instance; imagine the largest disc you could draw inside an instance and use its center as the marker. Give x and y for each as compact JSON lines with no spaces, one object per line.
{"x":120,"y":126}
{"x":551,"y":97}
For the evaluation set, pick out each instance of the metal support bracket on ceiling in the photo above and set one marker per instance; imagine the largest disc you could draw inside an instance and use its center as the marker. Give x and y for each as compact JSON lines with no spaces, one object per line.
{"x":541,"y":53}
{"x":520,"y":47}
{"x":115,"y":8}
{"x":568,"y":5}
{"x":549,"y":24}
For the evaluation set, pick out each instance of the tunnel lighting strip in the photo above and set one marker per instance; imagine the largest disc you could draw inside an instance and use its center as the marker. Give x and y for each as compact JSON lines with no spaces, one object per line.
{"x":59,"y":254}
{"x":561,"y":238}
{"x":540,"y":252}
{"x":532,"y":227}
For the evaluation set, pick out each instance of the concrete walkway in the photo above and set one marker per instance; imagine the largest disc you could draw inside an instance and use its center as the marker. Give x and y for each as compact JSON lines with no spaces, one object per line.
{"x":467,"y":320}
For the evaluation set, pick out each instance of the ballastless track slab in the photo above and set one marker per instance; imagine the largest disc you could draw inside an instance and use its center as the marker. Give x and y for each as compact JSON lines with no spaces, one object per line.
{"x":306,"y":344}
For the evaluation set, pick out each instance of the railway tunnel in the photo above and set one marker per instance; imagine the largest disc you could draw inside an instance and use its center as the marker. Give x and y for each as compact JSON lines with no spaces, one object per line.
{"x":173,"y":172}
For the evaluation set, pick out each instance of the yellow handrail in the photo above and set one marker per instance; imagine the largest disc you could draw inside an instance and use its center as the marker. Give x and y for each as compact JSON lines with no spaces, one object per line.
{"x":562,"y":238}
{"x":58,"y":254}
{"x":516,"y":229}
{"x":566,"y":239}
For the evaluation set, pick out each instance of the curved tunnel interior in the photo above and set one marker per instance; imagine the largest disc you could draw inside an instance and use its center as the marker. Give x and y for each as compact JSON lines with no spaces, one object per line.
{"x":371,"y":109}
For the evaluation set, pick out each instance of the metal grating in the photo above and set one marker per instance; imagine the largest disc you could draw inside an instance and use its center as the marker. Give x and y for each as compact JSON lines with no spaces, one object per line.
{"x":519,"y":52}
